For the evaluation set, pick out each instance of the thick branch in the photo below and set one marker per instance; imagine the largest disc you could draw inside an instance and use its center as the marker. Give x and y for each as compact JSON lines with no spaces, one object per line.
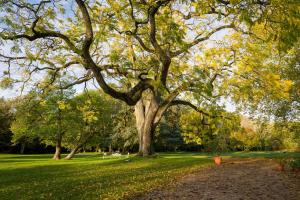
{"x":166,"y":103}
{"x":152,"y":34}
{"x":187,"y":103}
{"x":163,"y":55}
{"x":130,"y":97}
{"x":134,"y":33}
{"x":88,"y":27}
{"x":41,"y":35}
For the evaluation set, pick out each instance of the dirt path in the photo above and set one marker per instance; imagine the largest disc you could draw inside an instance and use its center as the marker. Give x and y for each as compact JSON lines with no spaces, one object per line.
{"x":234,"y":180}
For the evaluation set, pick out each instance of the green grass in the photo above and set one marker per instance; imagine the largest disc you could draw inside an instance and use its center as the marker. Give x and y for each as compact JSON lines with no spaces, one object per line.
{"x":264,"y":154}
{"x":88,"y":176}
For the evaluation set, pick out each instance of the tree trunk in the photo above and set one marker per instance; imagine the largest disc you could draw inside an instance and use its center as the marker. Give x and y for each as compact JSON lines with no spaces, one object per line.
{"x":84,"y":138}
{"x":148,"y":112}
{"x":59,"y":135}
{"x":22,"y":149}
{"x":145,"y":114}
{"x":147,"y":142}
{"x":72,"y":153}
{"x":57,"y":154}
{"x":139,"y":111}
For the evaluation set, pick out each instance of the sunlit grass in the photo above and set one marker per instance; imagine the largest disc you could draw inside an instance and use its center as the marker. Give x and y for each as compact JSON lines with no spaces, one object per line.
{"x":89,"y":176}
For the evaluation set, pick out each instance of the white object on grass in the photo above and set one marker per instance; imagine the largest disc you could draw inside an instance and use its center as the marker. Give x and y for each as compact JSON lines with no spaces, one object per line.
{"x":116,"y":154}
{"x":104,"y":154}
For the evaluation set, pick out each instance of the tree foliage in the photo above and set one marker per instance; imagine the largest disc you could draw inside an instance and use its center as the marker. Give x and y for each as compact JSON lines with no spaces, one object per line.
{"x":6,"y":118}
{"x":212,"y":133}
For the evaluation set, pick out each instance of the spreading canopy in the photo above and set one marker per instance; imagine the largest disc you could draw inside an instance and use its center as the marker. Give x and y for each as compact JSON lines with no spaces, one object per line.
{"x":137,"y":45}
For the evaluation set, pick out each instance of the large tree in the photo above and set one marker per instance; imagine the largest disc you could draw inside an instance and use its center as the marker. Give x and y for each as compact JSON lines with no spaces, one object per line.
{"x":149,"y":50}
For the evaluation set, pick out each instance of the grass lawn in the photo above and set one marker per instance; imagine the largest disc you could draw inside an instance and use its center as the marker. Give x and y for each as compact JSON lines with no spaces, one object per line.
{"x":89,"y":176}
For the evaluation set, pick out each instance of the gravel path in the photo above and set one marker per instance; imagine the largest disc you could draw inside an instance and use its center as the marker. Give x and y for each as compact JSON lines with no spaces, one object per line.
{"x":236,"y":179}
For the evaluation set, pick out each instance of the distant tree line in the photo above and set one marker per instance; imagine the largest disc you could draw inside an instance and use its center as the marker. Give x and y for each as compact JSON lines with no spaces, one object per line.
{"x":64,"y":122}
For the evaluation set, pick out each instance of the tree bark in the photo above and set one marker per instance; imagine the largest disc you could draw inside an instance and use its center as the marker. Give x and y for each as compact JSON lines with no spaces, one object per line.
{"x":72,"y":153}
{"x":77,"y":147}
{"x":57,"y":154}
{"x":145,"y":112}
{"x":147,"y":140}
{"x":22,"y":149}
{"x":59,"y":134}
{"x":139,"y":111}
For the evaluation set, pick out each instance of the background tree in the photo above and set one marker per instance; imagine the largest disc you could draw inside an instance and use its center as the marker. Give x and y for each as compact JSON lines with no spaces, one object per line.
{"x":212,"y":133}
{"x":92,"y":120}
{"x":125,"y":136}
{"x":6,"y":118}
{"x":47,"y":118}
{"x":168,"y":134}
